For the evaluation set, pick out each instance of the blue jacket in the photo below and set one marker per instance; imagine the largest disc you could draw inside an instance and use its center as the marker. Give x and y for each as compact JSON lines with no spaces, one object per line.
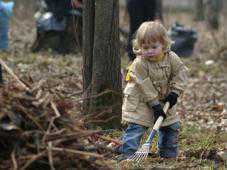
{"x":6,"y":10}
{"x":6,"y":7}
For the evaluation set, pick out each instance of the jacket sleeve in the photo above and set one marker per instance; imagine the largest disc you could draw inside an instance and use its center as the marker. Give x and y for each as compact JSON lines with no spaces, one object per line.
{"x":179,"y":74}
{"x":138,"y":73}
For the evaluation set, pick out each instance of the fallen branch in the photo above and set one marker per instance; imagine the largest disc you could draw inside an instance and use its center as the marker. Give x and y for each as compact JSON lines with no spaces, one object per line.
{"x":54,"y":107}
{"x":15,"y":166}
{"x":50,"y":157}
{"x":77,"y":152}
{"x":34,"y":158}
{"x":117,"y":142}
{"x":14,"y":75}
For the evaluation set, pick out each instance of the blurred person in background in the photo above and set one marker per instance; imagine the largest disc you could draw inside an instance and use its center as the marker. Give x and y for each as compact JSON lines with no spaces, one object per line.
{"x":140,"y":11}
{"x":6,"y":10}
{"x":60,"y":19}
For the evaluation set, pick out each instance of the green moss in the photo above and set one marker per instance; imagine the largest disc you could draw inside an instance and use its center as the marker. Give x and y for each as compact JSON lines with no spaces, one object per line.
{"x":195,"y":140}
{"x":65,"y":62}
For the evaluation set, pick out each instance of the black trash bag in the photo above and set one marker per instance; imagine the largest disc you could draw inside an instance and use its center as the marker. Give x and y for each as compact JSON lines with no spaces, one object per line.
{"x":184,"y":39}
{"x":48,"y":22}
{"x":52,"y":15}
{"x":59,"y":23}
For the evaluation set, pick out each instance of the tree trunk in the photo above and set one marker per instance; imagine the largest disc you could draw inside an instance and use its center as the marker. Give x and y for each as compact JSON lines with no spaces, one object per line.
{"x":106,"y":77}
{"x":199,"y":10}
{"x":104,"y":64}
{"x":87,"y":49}
{"x":213,"y":13}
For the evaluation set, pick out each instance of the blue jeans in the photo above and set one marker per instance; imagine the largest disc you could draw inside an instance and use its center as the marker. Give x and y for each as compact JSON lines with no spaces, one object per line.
{"x":167,"y":140}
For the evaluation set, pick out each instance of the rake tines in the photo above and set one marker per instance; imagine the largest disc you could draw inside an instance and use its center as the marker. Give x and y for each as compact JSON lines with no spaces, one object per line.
{"x":141,"y":154}
{"x":145,"y":148}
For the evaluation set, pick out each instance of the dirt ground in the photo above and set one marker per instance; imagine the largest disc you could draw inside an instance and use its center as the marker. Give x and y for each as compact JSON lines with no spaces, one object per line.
{"x":202,"y":108}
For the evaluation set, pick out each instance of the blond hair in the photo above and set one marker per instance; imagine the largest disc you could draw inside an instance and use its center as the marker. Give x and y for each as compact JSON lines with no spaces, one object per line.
{"x":150,"y":32}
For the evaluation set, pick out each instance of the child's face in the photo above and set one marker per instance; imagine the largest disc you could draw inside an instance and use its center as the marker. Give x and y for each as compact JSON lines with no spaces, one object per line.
{"x":152,"y":49}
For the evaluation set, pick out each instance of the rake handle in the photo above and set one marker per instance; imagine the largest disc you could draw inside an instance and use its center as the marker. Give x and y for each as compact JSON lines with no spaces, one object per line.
{"x":157,"y":124}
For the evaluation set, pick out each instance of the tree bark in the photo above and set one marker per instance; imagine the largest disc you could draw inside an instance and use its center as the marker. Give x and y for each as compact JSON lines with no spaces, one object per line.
{"x":106,"y":76}
{"x":87,"y":49}
{"x":102,"y":77}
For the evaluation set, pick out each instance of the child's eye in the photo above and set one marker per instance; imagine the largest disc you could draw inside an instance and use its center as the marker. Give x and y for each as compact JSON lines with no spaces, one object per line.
{"x":146,"y":47}
{"x":154,"y":46}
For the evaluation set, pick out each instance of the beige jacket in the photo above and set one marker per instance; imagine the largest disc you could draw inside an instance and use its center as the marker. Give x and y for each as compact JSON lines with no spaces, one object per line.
{"x":152,"y":81}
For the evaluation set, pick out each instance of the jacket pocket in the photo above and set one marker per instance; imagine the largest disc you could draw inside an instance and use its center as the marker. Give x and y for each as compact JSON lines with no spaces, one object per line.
{"x":130,"y":103}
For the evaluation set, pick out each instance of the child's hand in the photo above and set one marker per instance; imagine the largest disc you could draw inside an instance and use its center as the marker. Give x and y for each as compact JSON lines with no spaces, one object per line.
{"x":158,"y":111}
{"x":171,"y":98}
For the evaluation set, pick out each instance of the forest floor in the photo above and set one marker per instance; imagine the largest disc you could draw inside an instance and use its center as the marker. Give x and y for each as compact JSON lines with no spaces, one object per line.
{"x":201,"y":109}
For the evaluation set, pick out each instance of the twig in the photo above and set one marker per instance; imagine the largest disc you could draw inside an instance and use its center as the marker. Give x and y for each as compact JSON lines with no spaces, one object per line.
{"x":50,"y":156}
{"x":98,"y":95}
{"x":42,"y":100}
{"x":100,"y":114}
{"x":111,"y":140}
{"x":38,"y":94}
{"x":34,"y":158}
{"x":76,"y":93}
{"x":57,"y":114}
{"x":77,"y":152}
{"x":102,"y":121}
{"x":54,"y":107}
{"x":47,"y":101}
{"x":66,"y":137}
{"x":30,"y":117}
{"x":15,"y":166}
{"x":47,"y":134}
{"x":13,"y":75}
{"x":48,"y":130}
{"x":38,"y":85}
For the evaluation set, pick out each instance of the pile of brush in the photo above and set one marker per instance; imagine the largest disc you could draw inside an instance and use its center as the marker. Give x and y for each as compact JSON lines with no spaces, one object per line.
{"x":37,"y":131}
